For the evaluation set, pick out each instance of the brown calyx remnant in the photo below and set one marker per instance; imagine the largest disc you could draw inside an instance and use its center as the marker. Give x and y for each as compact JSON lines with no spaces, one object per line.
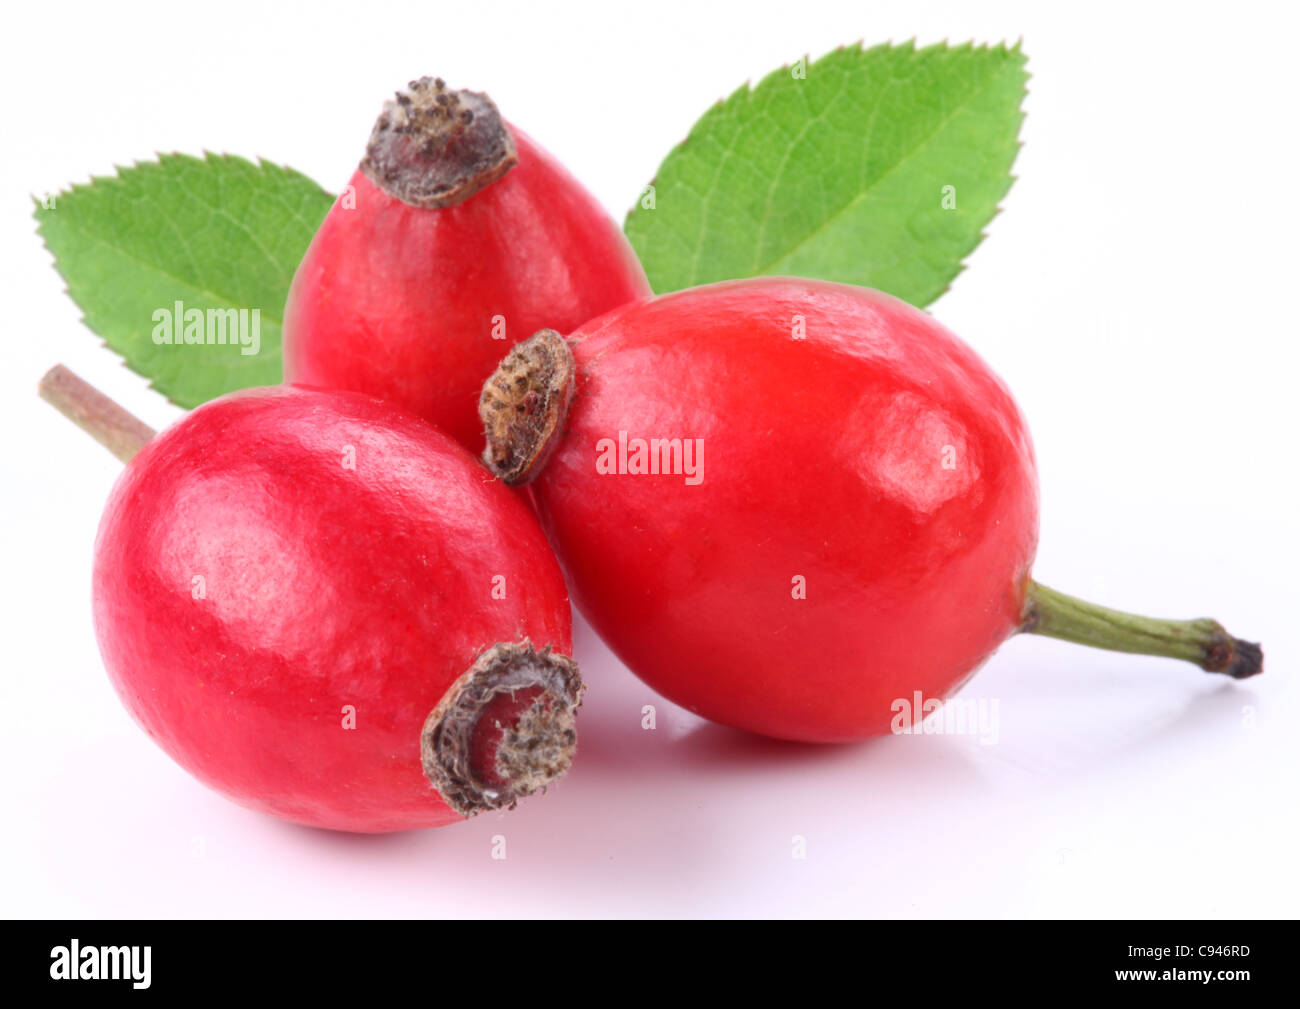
{"x":536,"y":750}
{"x":524,"y":405}
{"x":433,"y":147}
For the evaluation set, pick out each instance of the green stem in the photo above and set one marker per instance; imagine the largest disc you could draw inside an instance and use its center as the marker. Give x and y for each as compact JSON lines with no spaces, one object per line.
{"x":1203,"y":641}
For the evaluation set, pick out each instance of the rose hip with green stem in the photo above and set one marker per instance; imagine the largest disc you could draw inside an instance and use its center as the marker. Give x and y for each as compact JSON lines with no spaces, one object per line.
{"x":328,"y":611}
{"x":788,"y":504}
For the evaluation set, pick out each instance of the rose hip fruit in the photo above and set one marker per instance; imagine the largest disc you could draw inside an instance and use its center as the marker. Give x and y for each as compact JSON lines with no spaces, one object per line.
{"x":330,"y":612}
{"x":788,"y":504}
{"x":458,"y":237}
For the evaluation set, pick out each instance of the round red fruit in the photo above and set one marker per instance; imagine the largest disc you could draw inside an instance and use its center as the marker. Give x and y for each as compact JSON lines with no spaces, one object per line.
{"x":785,"y":504}
{"x":328,"y":611}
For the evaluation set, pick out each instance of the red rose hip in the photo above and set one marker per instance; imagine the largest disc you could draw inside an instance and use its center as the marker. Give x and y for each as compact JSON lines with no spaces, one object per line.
{"x":328,"y":611}
{"x":458,"y":237}
{"x":789,"y":504}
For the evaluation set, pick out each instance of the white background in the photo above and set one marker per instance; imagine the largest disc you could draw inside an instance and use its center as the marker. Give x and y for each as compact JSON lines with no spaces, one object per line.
{"x":1137,"y":293}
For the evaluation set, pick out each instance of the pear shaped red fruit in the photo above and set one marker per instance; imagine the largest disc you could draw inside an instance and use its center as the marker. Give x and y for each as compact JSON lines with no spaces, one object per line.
{"x":457,"y":237}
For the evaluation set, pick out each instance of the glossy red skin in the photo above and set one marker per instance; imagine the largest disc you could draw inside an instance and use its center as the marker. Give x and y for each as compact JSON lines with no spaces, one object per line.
{"x":324,"y":587}
{"x":822,"y":458}
{"x":399,"y":301}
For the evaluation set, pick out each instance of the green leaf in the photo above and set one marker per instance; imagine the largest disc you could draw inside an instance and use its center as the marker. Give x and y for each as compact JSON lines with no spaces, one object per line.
{"x":213,"y":233}
{"x":841,"y":175}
